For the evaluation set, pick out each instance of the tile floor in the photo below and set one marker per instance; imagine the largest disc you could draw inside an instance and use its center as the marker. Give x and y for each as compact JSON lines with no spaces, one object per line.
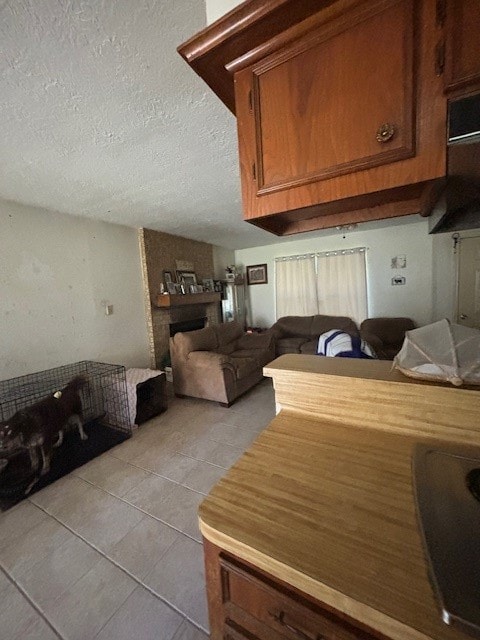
{"x":113,"y":550}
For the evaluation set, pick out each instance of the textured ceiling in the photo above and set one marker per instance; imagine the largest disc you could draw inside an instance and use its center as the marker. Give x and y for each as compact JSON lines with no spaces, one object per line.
{"x":102,"y":118}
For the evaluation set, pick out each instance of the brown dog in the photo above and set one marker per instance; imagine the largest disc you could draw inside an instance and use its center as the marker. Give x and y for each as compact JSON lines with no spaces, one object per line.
{"x":41,"y":426}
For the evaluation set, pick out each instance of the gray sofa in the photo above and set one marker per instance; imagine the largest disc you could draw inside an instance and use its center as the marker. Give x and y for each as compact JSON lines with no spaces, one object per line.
{"x":299,"y":334}
{"x":219,"y":362}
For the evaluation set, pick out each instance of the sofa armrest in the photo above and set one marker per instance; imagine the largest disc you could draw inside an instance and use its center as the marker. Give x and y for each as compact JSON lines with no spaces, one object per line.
{"x":375,"y":342}
{"x":255,"y":341}
{"x":209,"y":360}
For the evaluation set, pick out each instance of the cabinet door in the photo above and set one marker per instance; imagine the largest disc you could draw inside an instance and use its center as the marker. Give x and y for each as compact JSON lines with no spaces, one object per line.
{"x":338,"y":100}
{"x":463,"y":44}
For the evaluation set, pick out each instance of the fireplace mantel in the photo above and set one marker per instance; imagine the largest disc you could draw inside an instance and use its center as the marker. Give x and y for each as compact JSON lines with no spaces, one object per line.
{"x":166,"y":301}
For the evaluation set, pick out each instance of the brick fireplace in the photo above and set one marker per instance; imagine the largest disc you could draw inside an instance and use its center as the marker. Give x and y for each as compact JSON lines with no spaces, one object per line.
{"x":163,"y":318}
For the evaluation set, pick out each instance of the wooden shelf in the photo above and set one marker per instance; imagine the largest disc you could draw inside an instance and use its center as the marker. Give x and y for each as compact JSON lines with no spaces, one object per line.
{"x":167,"y":301}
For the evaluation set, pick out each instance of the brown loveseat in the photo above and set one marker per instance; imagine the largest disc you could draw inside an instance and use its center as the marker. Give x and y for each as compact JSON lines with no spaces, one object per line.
{"x":299,"y":334}
{"x":219,"y":362}
{"x":385,"y":335}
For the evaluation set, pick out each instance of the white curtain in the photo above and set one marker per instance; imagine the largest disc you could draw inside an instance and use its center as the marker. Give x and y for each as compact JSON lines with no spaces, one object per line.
{"x":342,"y":284}
{"x":295,"y":286}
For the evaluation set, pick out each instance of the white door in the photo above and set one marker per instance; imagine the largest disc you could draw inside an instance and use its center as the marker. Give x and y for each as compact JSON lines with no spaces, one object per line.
{"x":468,"y":310}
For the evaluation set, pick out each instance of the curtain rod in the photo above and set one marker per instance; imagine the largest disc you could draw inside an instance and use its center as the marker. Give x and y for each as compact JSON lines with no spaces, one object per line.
{"x":322,"y":254}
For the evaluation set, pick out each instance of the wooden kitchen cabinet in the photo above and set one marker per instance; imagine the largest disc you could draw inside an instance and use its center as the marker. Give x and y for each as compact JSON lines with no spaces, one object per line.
{"x":462,"y":47}
{"x":341,"y":114}
{"x":245,"y":603}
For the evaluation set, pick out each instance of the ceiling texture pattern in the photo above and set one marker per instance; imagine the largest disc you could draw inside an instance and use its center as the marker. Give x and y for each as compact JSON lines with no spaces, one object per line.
{"x":102,"y":118}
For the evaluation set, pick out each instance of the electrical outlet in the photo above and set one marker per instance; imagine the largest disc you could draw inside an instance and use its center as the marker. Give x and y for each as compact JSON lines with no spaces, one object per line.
{"x":397,"y":280}
{"x":108,"y":309}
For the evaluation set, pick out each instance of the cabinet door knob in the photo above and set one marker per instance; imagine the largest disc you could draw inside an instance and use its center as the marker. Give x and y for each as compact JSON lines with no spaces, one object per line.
{"x":385,"y":132}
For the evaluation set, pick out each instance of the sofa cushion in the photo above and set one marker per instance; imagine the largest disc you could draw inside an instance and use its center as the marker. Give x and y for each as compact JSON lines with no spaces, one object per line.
{"x":289,"y":345}
{"x":310,"y":347}
{"x":226,"y":349}
{"x":227,"y":332}
{"x":293,"y":326}
{"x":199,"y":340}
{"x":391,"y":331}
{"x":322,"y":324}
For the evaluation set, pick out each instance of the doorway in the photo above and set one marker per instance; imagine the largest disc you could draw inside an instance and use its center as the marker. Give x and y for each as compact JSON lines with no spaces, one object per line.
{"x":468,"y":307}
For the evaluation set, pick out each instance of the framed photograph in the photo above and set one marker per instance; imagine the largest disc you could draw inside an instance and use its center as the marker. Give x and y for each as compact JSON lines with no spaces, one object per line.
{"x":208,"y":284}
{"x":257,"y":274}
{"x":186,"y":277}
{"x":172,"y":288}
{"x":167,"y":277}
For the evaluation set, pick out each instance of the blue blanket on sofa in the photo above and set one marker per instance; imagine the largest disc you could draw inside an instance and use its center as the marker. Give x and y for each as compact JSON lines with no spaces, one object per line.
{"x":339,"y":344}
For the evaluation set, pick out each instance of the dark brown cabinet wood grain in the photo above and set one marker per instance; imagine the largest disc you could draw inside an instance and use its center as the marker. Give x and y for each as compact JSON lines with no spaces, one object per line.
{"x":247,"y":603}
{"x":319,"y":105}
{"x":462,"y":64}
{"x":340,"y":106}
{"x":344,"y":123}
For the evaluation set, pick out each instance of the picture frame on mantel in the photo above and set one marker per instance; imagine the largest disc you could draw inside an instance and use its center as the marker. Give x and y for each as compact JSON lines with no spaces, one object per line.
{"x":257,"y":274}
{"x":172,"y":288}
{"x":186,"y":277}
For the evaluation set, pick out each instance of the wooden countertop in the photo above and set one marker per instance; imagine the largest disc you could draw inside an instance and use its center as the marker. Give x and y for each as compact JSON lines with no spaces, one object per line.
{"x":328,"y":507}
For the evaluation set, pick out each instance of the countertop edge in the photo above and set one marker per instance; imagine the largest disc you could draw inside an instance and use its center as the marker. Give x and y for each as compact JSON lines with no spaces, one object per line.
{"x":322,"y":592}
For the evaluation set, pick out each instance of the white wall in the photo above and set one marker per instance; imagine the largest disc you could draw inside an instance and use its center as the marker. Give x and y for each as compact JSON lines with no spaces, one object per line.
{"x":414,"y":299}
{"x":56,"y":273}
{"x":217,"y":8}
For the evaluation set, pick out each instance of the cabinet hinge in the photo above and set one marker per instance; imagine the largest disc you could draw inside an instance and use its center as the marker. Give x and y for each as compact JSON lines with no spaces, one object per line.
{"x":441,"y":12}
{"x":254,"y":171}
{"x":250,"y":101}
{"x":440,"y":58}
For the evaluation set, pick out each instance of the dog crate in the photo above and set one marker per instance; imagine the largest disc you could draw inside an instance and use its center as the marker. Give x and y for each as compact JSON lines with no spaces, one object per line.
{"x":105,"y":417}
{"x":104,"y":397}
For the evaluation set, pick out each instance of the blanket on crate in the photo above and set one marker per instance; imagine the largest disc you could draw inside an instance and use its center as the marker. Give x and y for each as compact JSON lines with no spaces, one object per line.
{"x":339,"y":344}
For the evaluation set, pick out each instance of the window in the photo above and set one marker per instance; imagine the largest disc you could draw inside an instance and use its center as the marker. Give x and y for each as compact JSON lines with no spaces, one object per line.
{"x":295,"y":286}
{"x":331,"y":283}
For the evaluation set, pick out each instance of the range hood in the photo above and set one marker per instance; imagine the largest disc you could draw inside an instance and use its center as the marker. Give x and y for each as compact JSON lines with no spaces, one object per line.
{"x":458,"y":207}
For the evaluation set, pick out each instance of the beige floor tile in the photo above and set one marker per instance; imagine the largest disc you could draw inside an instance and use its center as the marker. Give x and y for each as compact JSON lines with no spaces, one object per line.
{"x":111,"y":474}
{"x":19,"y":620}
{"x":188,"y":632}
{"x":208,"y":450}
{"x":4,"y":581}
{"x":143,"y":546}
{"x":180,"y":578}
{"x":64,"y":492}
{"x":203,"y":476}
{"x":193,"y":443}
{"x":172,"y":503}
{"x":31,"y":547}
{"x":39,"y":630}
{"x":18,"y":520}
{"x":102,"y":519}
{"x":257,"y":420}
{"x":104,"y":522}
{"x":232,"y":435}
{"x":140,"y":443}
{"x":142,"y":616}
{"x":86,"y":606}
{"x":57,"y":571}
{"x":173,"y":466}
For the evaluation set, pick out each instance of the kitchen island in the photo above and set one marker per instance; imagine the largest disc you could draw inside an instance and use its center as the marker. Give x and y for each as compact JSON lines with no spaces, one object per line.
{"x":313,"y":532}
